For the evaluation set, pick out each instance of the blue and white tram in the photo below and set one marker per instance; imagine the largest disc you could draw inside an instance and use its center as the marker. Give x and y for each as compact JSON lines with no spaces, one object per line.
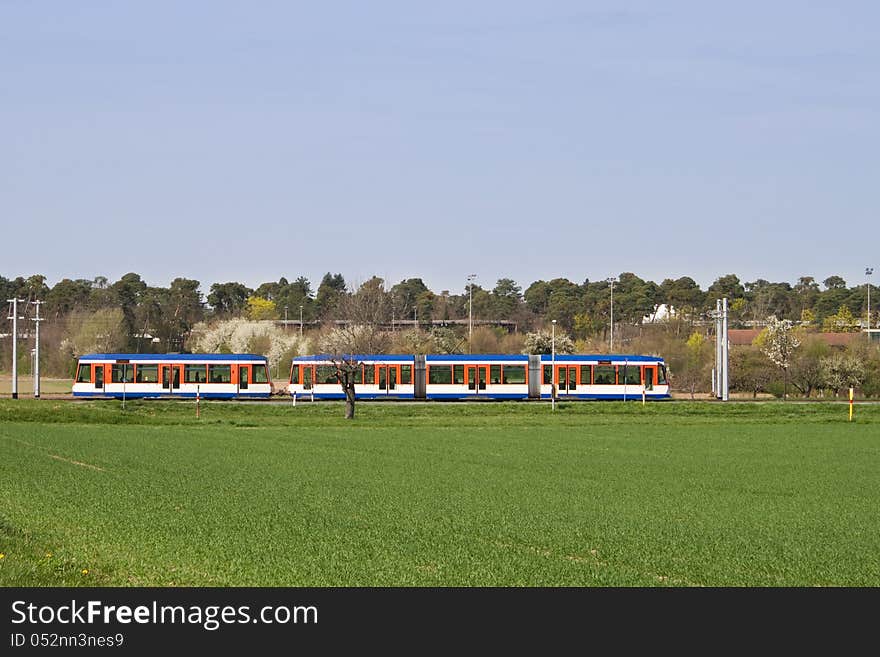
{"x":211,"y":376}
{"x":487,"y":376}
{"x":377,"y":377}
{"x":619,"y":377}
{"x":483,"y":376}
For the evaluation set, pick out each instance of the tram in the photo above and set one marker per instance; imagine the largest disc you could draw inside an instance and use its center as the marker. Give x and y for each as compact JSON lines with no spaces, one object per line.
{"x":210,"y":376}
{"x":486,"y":376}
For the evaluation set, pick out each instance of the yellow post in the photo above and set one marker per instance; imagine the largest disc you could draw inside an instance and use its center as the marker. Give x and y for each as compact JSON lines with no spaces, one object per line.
{"x":850,"y":404}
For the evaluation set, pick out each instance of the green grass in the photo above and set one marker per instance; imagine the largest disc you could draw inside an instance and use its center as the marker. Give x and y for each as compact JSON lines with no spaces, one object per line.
{"x":607,"y":494}
{"x":48,"y":386}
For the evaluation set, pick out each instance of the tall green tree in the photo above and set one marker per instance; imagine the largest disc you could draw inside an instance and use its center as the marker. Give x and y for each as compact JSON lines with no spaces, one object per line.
{"x":537,"y":297}
{"x":683,"y":296}
{"x":728,"y":286}
{"x":330,"y":291}
{"x":564,"y":302}
{"x":506,"y":299}
{"x":66,"y":296}
{"x":634,"y":298}
{"x":806,"y":293}
{"x":229,"y":299}
{"x":834,"y":283}
{"x":127,"y":292}
{"x":765,"y":298}
{"x":405,"y":297}
{"x":181,"y":310}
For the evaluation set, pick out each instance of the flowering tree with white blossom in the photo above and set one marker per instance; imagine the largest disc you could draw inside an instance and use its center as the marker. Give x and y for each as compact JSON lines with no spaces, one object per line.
{"x":542,"y":342}
{"x":778,"y":342}
{"x":246,"y":336}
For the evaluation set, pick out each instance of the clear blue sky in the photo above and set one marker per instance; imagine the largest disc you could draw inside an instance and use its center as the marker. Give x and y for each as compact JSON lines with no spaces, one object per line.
{"x":246,"y":141}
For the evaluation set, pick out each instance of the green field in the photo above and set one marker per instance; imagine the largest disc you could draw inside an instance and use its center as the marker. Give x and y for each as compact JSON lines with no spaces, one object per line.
{"x":595,"y":494}
{"x":26,"y":386}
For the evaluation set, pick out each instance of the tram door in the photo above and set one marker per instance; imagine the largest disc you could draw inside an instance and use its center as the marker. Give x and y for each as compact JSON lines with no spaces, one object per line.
{"x":567,"y":379}
{"x":169,"y":375}
{"x":99,"y":376}
{"x":387,"y":377}
{"x":649,"y":378}
{"x":243,"y":376}
{"x":476,"y":377}
{"x":307,"y":378}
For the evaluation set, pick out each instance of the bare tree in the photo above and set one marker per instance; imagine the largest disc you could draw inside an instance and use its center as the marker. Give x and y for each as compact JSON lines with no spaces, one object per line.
{"x":749,"y":370}
{"x":358,"y":331}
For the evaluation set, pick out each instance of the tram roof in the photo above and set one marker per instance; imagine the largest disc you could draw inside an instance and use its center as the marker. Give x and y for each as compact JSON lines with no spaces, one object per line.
{"x":325,"y":358}
{"x":614,"y":358}
{"x":173,"y":357}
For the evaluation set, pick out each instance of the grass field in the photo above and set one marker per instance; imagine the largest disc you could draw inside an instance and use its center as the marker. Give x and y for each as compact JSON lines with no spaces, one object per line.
{"x":595,"y":494}
{"x":26,"y":385}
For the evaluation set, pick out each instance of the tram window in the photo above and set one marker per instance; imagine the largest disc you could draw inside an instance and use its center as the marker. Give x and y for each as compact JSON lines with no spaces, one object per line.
{"x":405,"y":374}
{"x":603,"y":375}
{"x":548,"y":374}
{"x":661,"y":376}
{"x":458,"y":375}
{"x":585,"y":375}
{"x":514,"y":374}
{"x":85,"y":373}
{"x":195,"y":374}
{"x":440,"y":374}
{"x":147,"y":374}
{"x":358,"y":374}
{"x":630,"y":375}
{"x":294,"y":374}
{"x":370,"y":374}
{"x":122,"y":373}
{"x":495,"y":373}
{"x":220,"y":373}
{"x":260,"y":374}
{"x":326,"y":374}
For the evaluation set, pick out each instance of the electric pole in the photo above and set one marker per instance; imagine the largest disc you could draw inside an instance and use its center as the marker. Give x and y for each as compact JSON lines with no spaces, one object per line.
{"x":37,"y":321}
{"x":14,"y":317}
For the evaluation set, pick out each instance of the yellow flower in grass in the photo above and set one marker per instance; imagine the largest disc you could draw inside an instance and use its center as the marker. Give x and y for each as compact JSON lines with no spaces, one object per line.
{"x":2,"y":556}
{"x":85,"y":571}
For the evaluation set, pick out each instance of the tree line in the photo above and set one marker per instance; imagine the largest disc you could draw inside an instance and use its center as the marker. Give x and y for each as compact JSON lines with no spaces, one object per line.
{"x":582,"y":309}
{"x":85,"y":315}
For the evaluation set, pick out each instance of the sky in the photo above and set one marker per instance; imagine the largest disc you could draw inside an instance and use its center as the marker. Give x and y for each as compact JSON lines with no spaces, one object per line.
{"x":241,"y":141}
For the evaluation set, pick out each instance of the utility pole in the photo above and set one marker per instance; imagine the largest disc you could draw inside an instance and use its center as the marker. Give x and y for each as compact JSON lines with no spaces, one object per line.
{"x":719,"y":351}
{"x":720,"y":374}
{"x":553,"y":368}
{"x":300,"y":321}
{"x":470,"y":279}
{"x":868,"y":272}
{"x":725,"y":349}
{"x":14,"y":317}
{"x":37,"y":321}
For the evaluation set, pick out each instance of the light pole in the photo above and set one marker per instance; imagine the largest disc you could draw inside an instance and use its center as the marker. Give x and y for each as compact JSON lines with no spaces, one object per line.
{"x":553,"y":367}
{"x":470,"y":279}
{"x":300,"y":321}
{"x":285,"y":316}
{"x":612,"y":280}
{"x":868,"y":272}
